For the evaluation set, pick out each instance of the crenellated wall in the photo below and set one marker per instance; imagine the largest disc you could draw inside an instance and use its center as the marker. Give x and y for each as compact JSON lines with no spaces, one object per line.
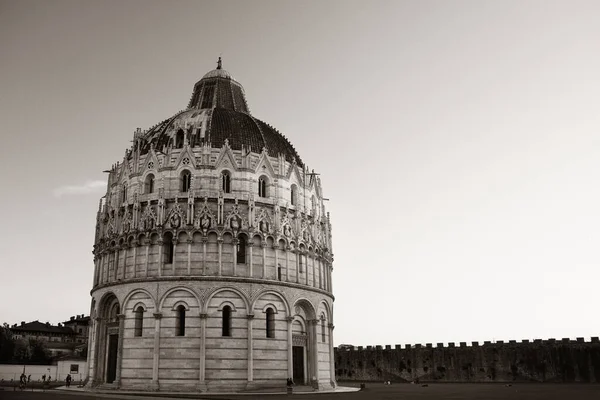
{"x":549,"y":360}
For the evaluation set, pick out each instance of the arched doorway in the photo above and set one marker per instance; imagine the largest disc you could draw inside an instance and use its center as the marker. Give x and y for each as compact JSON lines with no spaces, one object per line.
{"x":304,"y":345}
{"x":108,"y":340}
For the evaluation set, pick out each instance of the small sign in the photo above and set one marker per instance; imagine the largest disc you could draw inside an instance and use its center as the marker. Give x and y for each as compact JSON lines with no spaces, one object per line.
{"x":74,"y":369}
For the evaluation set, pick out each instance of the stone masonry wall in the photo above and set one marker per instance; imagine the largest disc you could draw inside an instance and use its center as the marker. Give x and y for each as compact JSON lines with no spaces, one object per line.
{"x":538,"y":361}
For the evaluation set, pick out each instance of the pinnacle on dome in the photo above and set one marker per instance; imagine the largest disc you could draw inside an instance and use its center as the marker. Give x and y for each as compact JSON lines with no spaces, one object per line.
{"x":218,"y":89}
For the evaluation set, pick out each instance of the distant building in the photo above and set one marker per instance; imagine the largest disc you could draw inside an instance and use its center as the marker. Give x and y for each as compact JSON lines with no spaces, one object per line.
{"x":79,"y":325}
{"x":69,"y":338}
{"x":42,"y":331}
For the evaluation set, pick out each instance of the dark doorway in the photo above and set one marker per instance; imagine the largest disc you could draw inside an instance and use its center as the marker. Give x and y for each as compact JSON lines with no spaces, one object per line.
{"x":298,"y":364}
{"x":111,"y":362}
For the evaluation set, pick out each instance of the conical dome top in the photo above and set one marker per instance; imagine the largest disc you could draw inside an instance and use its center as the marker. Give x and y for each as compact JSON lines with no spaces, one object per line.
{"x":218,"y":89}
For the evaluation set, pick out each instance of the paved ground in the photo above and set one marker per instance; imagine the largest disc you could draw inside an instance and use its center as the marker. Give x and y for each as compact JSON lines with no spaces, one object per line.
{"x":378,"y":392}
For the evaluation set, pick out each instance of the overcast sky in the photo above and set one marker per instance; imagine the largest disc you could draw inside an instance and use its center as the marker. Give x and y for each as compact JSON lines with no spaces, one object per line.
{"x":458,"y":143}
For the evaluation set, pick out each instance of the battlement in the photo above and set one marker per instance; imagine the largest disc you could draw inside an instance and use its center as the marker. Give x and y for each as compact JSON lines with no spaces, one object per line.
{"x":453,"y":345}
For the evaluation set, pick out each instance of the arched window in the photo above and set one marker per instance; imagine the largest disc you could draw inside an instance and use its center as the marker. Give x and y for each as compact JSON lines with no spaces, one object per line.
{"x":179,"y":139}
{"x":270,"y":323}
{"x":180,"y":323}
{"x":226,"y":182}
{"x":323,"y":337}
{"x":149,"y":184}
{"x":114,"y":312}
{"x":226,"y":323}
{"x":168,"y":249}
{"x":279,"y":272}
{"x":124,"y":197}
{"x":241,"y":249}
{"x":262,"y":186}
{"x":300,"y":268}
{"x":139,"y":321}
{"x":186,"y":181}
{"x":294,"y":195}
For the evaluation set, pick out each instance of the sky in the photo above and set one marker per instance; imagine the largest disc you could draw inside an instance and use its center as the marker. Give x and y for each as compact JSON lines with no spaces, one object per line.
{"x":458,"y":143}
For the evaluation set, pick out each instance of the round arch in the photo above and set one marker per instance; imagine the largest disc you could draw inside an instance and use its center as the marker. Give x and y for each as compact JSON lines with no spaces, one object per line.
{"x":275,"y":293}
{"x":222,"y":289}
{"x":307,"y":306}
{"x":185,"y":289}
{"x":139,"y":290}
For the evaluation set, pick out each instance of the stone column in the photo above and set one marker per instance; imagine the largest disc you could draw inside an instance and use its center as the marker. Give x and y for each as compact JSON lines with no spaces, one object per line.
{"x":235,"y":248}
{"x":305,"y":267}
{"x":202,"y":370}
{"x":314,"y":271}
{"x":264,"y":259}
{"x":314,"y":350}
{"x":117,"y":254}
{"x":106,"y":258}
{"x":287,"y":263}
{"x":250,"y":265}
{"x":147,"y":243}
{"x":220,"y":245}
{"x":95,"y":271}
{"x":276,"y":250}
{"x":297,"y":253}
{"x":204,"y":240}
{"x":190,"y":240}
{"x":135,"y":244}
{"x":91,"y":330}
{"x":331,"y":357}
{"x":121,"y":318}
{"x":156,"y":357}
{"x":290,"y":363}
{"x":160,"y":257}
{"x":97,"y":335}
{"x":175,"y":241}
{"x":250,"y":350}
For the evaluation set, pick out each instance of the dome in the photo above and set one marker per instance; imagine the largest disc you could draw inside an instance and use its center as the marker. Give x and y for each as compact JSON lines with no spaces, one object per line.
{"x":217,"y":73}
{"x":218,"y":112}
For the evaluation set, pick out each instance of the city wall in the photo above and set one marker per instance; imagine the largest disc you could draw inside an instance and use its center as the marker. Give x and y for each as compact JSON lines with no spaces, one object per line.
{"x":539,"y":360}
{"x":57,"y":371}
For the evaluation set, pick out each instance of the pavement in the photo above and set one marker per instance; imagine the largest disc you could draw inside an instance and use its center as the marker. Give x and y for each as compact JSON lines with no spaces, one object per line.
{"x":301,"y":390}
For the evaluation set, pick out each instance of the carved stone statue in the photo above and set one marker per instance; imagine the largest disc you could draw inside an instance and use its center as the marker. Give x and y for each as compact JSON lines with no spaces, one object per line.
{"x":263,"y":226}
{"x":175,"y":221}
{"x":235,"y":224}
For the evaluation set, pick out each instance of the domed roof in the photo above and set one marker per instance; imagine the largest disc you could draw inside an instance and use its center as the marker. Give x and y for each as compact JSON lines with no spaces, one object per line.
{"x":217,"y":113}
{"x":217,"y":73}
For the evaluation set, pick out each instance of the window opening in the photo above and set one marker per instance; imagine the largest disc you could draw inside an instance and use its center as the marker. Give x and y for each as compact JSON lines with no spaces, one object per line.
{"x":186,"y":181}
{"x":323,"y":339}
{"x":262,"y":187}
{"x":179,"y":138}
{"x":180,"y":328}
{"x":169,"y":248}
{"x":149,"y":184}
{"x":270,"y":323}
{"x":139,"y":321}
{"x":294,"y":195}
{"x":226,"y":182}
{"x":226,"y":321}
{"x":241,"y":250}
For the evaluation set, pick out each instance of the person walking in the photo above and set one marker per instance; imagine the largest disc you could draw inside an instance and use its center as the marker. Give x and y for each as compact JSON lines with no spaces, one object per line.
{"x":68,"y":380}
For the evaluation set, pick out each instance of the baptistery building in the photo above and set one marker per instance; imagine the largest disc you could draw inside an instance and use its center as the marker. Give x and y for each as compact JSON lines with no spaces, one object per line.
{"x":212,"y":256}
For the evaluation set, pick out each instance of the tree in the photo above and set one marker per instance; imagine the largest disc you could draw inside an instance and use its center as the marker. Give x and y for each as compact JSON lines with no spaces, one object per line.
{"x":7,"y":344}
{"x":39,"y":353}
